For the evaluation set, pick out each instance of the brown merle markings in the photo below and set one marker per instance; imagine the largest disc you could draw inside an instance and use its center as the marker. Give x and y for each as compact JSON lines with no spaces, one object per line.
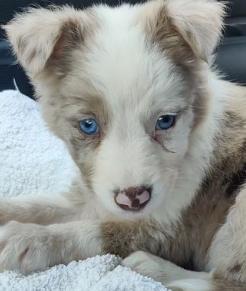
{"x":234,"y":121}
{"x":235,"y":182}
{"x":123,"y":238}
{"x":236,"y":268}
{"x":70,"y":37}
{"x":166,"y":35}
{"x":222,"y":284}
{"x":23,"y":254}
{"x":73,"y":34}
{"x":217,"y":193}
{"x":84,"y":148}
{"x":232,"y":154}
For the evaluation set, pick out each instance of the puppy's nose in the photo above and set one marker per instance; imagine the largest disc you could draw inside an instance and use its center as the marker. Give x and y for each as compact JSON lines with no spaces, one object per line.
{"x":133,"y":198}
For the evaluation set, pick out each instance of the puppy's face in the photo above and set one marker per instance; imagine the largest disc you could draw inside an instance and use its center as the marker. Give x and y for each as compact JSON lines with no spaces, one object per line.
{"x":119,"y":86}
{"x":127,"y":121}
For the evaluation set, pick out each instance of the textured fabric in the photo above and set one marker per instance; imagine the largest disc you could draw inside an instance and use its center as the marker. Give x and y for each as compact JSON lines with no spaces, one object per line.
{"x":101,"y":273}
{"x":31,"y":158}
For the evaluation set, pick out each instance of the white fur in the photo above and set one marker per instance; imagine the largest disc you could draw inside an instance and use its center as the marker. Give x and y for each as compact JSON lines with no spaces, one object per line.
{"x":167,"y":273}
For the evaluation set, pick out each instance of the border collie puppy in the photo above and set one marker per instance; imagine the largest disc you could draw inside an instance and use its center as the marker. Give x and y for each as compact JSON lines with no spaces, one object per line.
{"x":158,"y":137}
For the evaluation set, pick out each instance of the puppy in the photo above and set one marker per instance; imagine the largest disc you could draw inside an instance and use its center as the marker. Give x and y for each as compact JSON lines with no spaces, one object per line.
{"x":158,"y":137}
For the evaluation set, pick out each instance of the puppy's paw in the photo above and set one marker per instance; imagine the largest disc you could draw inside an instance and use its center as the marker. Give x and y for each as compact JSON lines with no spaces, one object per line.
{"x":25,"y":247}
{"x":146,"y":264}
{"x":166,"y":272}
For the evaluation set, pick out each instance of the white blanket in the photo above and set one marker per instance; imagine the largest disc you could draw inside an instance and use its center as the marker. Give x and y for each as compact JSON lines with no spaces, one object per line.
{"x":33,"y":160}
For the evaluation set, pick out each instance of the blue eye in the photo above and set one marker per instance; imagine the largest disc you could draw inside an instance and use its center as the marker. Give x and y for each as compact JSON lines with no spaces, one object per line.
{"x":89,"y":126}
{"x":165,"y":122}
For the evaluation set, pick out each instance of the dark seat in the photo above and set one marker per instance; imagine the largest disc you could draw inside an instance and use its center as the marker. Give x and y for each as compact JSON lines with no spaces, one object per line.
{"x":231,"y":59}
{"x":231,"y":53}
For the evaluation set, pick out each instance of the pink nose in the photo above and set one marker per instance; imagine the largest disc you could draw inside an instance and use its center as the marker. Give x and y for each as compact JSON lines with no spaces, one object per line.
{"x":133,"y":198}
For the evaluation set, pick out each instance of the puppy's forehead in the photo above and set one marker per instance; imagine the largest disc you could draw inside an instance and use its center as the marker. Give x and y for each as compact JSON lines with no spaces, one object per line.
{"x":123,"y":66}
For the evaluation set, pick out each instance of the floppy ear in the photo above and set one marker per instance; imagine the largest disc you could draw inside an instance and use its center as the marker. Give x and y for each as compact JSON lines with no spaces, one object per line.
{"x":199,"y":22}
{"x":182,"y":24}
{"x":40,"y":37}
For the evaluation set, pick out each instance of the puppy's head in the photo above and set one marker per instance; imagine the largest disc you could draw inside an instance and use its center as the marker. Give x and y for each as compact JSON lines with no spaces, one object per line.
{"x":124,"y":88}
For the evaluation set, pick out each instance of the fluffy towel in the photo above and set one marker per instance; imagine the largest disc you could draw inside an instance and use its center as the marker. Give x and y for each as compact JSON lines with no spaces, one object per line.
{"x":33,"y":160}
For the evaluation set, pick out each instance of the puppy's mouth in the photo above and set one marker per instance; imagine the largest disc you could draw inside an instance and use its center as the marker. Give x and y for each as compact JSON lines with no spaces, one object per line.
{"x":136,"y":200}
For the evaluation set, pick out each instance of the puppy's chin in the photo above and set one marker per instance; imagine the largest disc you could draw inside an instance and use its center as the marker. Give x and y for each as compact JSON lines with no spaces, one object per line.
{"x":128,"y":214}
